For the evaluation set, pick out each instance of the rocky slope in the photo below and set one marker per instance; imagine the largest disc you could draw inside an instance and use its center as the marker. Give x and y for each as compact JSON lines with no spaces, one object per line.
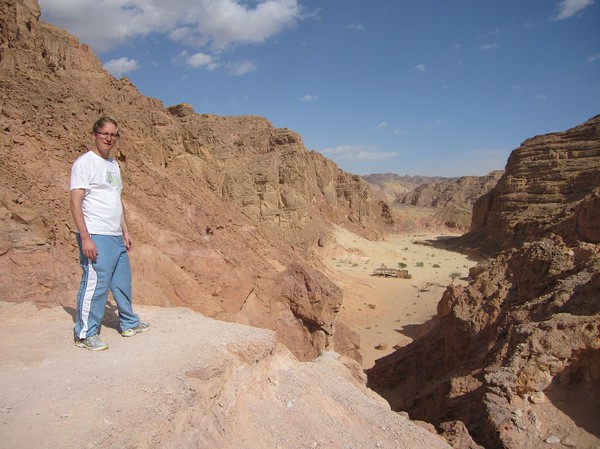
{"x":460,"y":192}
{"x":395,"y":185}
{"x":225,"y":210}
{"x":515,"y":355}
{"x":449,"y":200}
{"x":452,"y":200}
{"x":189,"y":383}
{"x":551,"y":185}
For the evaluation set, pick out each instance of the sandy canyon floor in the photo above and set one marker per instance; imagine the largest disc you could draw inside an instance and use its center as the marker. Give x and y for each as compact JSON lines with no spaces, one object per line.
{"x":391,"y":312}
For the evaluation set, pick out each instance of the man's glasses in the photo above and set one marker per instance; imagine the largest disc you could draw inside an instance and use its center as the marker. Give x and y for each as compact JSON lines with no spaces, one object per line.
{"x":107,"y":135}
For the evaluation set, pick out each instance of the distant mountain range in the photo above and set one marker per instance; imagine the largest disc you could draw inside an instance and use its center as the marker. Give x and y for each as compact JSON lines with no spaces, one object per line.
{"x":396,"y":183}
{"x":451,"y":199}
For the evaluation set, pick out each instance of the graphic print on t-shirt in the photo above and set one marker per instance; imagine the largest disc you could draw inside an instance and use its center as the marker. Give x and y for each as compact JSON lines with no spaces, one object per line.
{"x":112,"y":178}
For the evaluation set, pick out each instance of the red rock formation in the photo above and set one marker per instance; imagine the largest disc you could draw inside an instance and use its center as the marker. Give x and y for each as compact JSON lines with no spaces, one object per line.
{"x":224,"y":209}
{"x":551,"y":185}
{"x":451,"y":200}
{"x":515,"y":355}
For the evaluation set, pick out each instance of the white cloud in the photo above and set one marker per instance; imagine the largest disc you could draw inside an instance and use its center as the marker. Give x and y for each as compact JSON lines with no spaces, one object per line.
{"x":492,"y":46}
{"x":201,"y":60}
{"x":375,"y":155}
{"x":568,"y":8}
{"x":242,"y":67}
{"x":228,"y":22}
{"x":594,"y":58}
{"x":118,"y":67}
{"x":356,"y":27}
{"x":394,"y":132}
{"x":434,"y":124}
{"x":105,"y":24}
{"x":310,"y":98}
{"x":494,"y":32}
{"x":357,"y":153}
{"x":420,"y":68}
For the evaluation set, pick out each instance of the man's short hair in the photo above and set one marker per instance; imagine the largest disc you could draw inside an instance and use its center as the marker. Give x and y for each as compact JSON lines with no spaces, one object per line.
{"x":103,"y":121}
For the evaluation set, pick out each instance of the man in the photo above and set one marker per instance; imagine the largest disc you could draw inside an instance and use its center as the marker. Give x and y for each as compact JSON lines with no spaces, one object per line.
{"x":103,"y":239}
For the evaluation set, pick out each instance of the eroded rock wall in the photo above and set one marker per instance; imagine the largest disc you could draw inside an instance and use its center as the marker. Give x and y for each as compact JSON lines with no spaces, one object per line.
{"x":514,"y":355}
{"x":224,"y":210}
{"x":551,"y":185}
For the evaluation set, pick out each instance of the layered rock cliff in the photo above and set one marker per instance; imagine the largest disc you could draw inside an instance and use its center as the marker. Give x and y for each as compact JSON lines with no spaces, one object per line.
{"x":224,"y":209}
{"x":397,"y":186}
{"x":453,"y":199}
{"x":449,"y":200}
{"x":515,"y":355}
{"x":551,"y":185}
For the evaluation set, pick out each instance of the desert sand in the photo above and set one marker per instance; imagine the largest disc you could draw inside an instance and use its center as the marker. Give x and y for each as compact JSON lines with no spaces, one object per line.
{"x":391,"y":312}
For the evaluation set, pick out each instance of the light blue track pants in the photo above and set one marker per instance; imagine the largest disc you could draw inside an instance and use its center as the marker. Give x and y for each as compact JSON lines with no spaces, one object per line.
{"x":110,"y":271}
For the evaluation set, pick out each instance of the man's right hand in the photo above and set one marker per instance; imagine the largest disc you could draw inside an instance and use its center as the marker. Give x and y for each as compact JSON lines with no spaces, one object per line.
{"x":88,"y":247}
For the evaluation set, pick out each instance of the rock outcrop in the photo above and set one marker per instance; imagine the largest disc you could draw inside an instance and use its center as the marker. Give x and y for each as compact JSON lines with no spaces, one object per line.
{"x":449,"y":200}
{"x":225,"y":210}
{"x":515,"y":355}
{"x":190,"y":383}
{"x":460,"y":192}
{"x":396,"y":186}
{"x":452,"y":200}
{"x":269,"y":175}
{"x":551,"y":185}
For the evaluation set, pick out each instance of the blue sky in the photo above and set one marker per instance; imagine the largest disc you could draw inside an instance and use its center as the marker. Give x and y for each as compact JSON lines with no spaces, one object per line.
{"x":413,"y":87}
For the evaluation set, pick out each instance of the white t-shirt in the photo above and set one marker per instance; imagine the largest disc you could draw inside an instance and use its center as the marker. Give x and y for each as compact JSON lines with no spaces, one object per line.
{"x":101,"y":180}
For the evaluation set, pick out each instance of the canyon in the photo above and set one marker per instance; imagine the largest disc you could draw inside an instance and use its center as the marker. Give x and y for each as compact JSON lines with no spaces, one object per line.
{"x":514,"y":355}
{"x":231,"y":216}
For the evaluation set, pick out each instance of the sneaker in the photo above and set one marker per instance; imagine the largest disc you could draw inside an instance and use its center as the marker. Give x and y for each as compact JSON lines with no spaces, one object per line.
{"x":142,"y":327}
{"x":92,"y":343}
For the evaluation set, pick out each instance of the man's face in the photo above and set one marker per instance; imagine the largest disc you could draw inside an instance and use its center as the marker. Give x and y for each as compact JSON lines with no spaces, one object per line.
{"x":106,"y":138}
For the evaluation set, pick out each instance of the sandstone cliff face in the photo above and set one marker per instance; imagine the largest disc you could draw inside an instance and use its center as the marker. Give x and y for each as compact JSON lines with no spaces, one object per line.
{"x":460,"y":192}
{"x":515,"y":355}
{"x":395,"y":186}
{"x":451,"y":200}
{"x":212,"y":201}
{"x":271,"y":177}
{"x":551,"y":185}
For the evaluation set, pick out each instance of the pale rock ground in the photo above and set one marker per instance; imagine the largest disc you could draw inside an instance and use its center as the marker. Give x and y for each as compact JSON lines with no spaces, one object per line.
{"x":190,"y":382}
{"x":390,"y":312}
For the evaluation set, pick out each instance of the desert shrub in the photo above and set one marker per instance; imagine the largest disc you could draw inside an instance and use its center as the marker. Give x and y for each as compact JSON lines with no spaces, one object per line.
{"x":454,"y":275}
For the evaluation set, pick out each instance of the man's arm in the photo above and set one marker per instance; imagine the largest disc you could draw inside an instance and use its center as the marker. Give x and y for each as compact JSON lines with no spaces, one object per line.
{"x":87,"y":244}
{"x":126,"y":236}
